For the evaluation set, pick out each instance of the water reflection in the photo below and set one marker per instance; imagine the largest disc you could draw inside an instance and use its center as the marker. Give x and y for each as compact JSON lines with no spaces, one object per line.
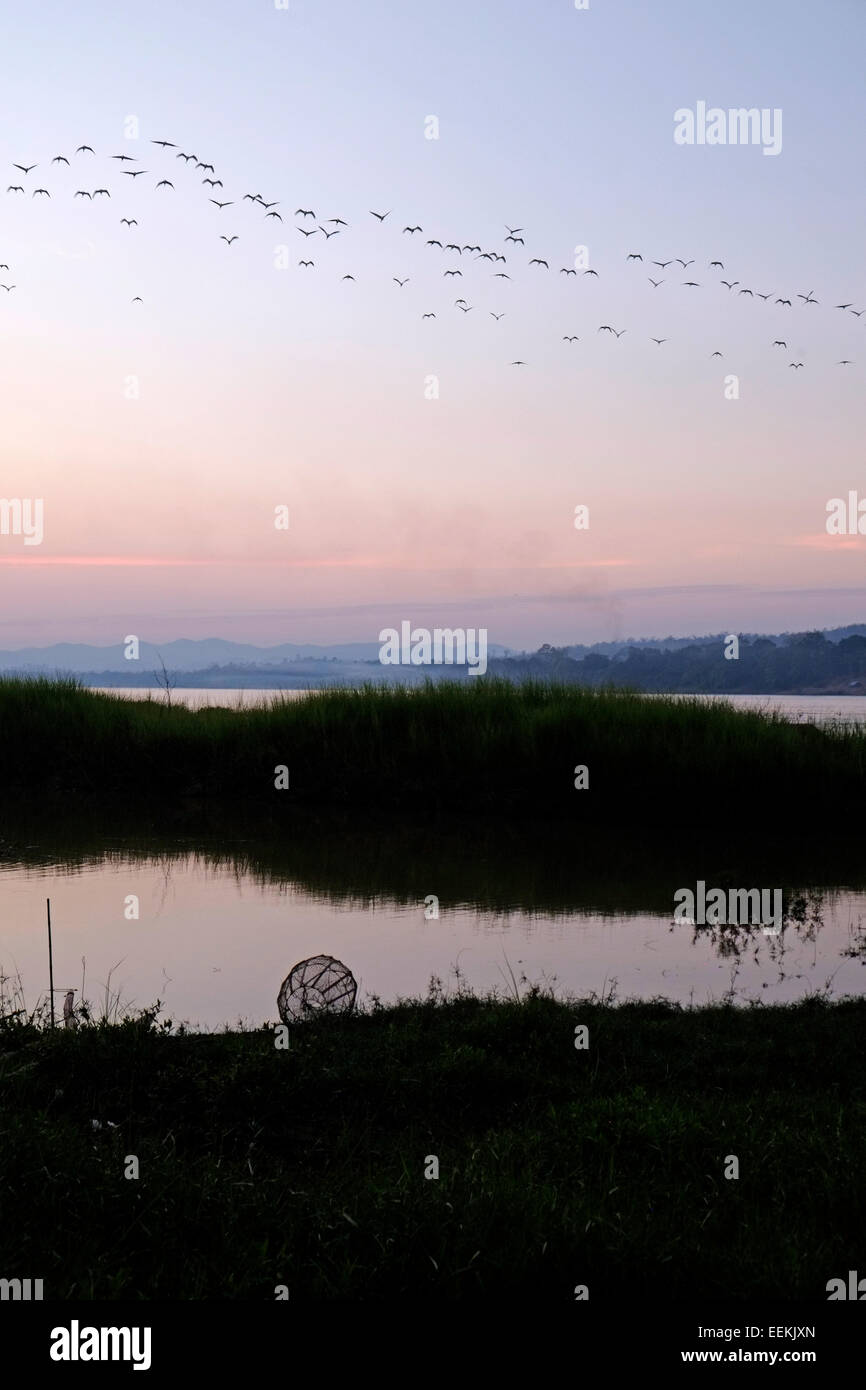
{"x":210,"y":926}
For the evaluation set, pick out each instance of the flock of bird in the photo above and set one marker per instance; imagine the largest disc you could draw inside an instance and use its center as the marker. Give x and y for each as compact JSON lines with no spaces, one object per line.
{"x":84,"y":157}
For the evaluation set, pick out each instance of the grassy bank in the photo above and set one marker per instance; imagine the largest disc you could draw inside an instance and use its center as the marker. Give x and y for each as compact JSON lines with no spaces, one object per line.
{"x":487,"y":747}
{"x":558,"y":1166}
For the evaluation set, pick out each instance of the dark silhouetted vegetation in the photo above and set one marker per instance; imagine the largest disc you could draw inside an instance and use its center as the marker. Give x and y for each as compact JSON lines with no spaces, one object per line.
{"x":557,"y":1166}
{"x":801,"y":663}
{"x":488,"y":748}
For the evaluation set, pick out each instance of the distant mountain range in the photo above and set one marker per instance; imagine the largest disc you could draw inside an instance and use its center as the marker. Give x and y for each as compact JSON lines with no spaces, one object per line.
{"x":833,"y":660}
{"x":184,"y":656}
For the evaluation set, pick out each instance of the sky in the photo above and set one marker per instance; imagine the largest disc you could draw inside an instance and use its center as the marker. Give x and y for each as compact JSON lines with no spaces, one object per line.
{"x":425,"y":476}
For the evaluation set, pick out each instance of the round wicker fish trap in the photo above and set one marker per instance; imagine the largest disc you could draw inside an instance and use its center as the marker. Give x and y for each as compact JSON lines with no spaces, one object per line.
{"x":318,"y":985}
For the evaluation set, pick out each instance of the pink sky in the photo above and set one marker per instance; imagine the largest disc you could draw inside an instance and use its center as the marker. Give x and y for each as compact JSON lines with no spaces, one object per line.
{"x":162,"y":435}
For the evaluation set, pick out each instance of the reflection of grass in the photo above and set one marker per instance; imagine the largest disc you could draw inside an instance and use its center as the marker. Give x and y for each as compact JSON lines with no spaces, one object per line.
{"x":557,"y":1166}
{"x":485,"y":746}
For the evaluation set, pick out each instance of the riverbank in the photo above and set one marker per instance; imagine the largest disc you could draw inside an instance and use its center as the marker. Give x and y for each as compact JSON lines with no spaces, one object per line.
{"x":488,"y":749}
{"x":608,"y":1165}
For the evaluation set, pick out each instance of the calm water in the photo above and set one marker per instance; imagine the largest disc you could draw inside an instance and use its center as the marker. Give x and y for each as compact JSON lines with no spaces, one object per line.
{"x":219,"y":926}
{"x":816,"y":709}
{"x":215,"y":940}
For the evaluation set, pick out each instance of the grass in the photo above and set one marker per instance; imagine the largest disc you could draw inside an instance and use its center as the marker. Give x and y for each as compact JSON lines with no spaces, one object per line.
{"x":558,"y":1166}
{"x":486,"y":748}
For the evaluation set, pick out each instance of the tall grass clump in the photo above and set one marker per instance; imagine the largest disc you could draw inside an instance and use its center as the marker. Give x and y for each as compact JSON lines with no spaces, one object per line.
{"x":481,"y":746}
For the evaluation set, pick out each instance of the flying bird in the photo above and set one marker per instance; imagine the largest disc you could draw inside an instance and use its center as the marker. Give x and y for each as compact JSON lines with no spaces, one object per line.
{"x":130,"y":221}
{"x":268,"y":205}
{"x":279,"y":219}
{"x":339,"y":222}
{"x":764,"y":296}
{"x":434,"y":242}
{"x":729,"y":284}
{"x":567,"y":339}
{"x":428,"y":316}
{"x":166,"y":144}
{"x":81,"y":148}
{"x":655,"y":283}
{"x":413,"y":229}
{"x":453,"y":272}
{"x":401,"y":283}
{"x":335,"y":232}
{"x":692,"y":284}
{"x":229,"y":239}
{"x":8,"y":287}
{"x":518,"y":363}
{"x":784,"y":301}
{"x":685,"y":264}
{"x":15,"y":188}
{"x":381,"y":215}
{"x":846,"y":362}
{"x":717,"y":265}
{"x":662,"y":265}
{"x":747,"y":292}
{"x":500,"y":275}
{"x":97,"y":191}
{"x":40,"y":190}
{"x":304,"y":231}
{"x":795,"y":364}
{"x":219,"y":205}
{"x":138,"y":299}
{"x":83,"y":193}
{"x":565,"y":271}
{"x":299,"y":212}
{"x":659,"y":341}
{"x":471,"y":248}
{"x":512,"y":231}
{"x":497,"y":317}
{"x":25,"y":168}
{"x":716,"y":353}
{"x":591,"y":272}
{"x":634,"y":256}
{"x":516,"y":238}
{"x":134,"y":173}
{"x":858,"y":312}
{"x":130,"y":159}
{"x":843,"y":306}
{"x":780,"y":342}
{"x":209,"y":167}
{"x":452,"y":247}
{"x":536,"y":261}
{"x":217,"y":183}
{"x":306,"y":262}
{"x":604,"y":328}
{"x":60,"y":159}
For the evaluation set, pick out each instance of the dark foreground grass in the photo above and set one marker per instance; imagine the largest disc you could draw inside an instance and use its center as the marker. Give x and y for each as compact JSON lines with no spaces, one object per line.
{"x":557,"y":1166}
{"x":484,"y":747}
